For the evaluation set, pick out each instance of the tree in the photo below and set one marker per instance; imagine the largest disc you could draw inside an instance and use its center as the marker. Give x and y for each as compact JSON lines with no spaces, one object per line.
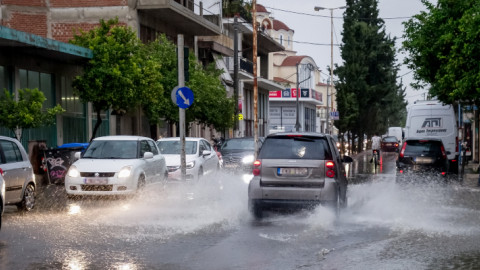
{"x":444,"y":51}
{"x":211,"y":105}
{"x":26,"y":112}
{"x":369,"y":98}
{"x":111,"y":78}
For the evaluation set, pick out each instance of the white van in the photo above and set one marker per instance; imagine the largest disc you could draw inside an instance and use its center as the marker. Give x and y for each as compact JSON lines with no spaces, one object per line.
{"x":433,"y":119}
{"x":397,"y":132}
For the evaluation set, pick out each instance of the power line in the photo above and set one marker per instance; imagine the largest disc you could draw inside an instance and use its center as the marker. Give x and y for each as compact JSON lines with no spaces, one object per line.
{"x":323,"y":16}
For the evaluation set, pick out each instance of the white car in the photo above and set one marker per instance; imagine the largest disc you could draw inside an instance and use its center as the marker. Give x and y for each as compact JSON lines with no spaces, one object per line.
{"x":2,"y":196}
{"x":116,"y":165}
{"x":201,"y":158}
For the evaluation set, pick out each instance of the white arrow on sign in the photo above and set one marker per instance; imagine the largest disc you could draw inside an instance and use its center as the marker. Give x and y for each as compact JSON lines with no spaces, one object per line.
{"x":185,"y":100}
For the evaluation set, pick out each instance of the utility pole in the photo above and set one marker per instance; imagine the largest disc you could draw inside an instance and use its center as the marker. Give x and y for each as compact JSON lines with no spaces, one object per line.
{"x":235,"y":72}
{"x":327,"y":130}
{"x":331,"y":60}
{"x":255,"y":86}
{"x":297,"y":122}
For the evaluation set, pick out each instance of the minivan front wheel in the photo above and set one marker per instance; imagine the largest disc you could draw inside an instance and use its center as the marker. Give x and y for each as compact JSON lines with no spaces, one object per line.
{"x":28,"y":200}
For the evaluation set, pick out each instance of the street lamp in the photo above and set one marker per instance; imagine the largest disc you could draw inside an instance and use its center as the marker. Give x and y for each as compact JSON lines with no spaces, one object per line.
{"x":331,"y":55}
{"x":311,"y":68}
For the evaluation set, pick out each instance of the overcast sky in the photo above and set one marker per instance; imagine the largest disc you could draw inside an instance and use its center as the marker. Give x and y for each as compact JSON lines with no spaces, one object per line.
{"x":314,"y":27}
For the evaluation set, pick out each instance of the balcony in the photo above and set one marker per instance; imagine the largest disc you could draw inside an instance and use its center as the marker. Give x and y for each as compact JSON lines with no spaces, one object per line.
{"x":244,"y":65}
{"x":184,"y":16}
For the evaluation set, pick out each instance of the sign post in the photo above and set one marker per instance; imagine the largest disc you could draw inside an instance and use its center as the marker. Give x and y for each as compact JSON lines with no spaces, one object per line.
{"x":183,"y":97}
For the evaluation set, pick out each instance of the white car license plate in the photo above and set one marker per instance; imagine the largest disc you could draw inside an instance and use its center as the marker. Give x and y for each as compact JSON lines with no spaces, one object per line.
{"x":292,"y":171}
{"x":96,"y":181}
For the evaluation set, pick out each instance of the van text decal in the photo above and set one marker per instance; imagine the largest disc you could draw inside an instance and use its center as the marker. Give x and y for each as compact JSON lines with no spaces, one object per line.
{"x":432,"y":122}
{"x":432,"y":126}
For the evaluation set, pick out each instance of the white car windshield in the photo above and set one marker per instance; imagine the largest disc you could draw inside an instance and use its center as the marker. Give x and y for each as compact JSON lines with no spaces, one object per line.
{"x":174,"y":147}
{"x":112,"y":150}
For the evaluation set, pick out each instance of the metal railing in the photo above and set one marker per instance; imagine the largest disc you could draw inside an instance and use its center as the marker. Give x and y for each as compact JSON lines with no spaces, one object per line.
{"x":243,"y":64}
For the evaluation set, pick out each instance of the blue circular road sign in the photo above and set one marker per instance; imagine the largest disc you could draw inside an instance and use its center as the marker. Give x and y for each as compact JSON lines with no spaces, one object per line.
{"x":183,"y":97}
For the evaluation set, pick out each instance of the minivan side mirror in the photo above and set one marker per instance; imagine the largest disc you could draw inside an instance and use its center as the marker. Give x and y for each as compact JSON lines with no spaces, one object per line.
{"x":78,"y":155}
{"x":206,"y":153}
{"x":347,"y":159}
{"x":148,"y":155}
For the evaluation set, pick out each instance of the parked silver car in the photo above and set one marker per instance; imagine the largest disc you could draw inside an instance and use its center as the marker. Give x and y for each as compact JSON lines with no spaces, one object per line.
{"x":299,"y":170}
{"x":18,"y":174}
{"x":2,"y":196}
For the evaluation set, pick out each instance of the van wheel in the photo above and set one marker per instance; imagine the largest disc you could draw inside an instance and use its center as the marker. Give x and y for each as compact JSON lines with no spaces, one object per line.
{"x":200,"y":174}
{"x":28,"y":201}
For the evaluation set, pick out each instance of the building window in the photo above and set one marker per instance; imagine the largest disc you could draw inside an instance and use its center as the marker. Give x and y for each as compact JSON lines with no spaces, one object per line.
{"x":42,"y":81}
{"x":281,"y":39}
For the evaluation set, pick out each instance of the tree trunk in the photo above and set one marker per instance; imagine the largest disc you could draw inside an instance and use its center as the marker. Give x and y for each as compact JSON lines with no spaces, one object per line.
{"x":97,"y":125}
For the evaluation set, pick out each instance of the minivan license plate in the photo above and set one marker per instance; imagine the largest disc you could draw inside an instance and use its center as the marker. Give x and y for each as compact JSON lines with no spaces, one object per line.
{"x":292,"y":171}
{"x":96,"y":181}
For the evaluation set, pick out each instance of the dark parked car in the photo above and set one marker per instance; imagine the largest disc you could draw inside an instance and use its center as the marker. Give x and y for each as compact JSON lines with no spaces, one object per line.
{"x":389,"y":144}
{"x":422,"y":159}
{"x":238,"y":154}
{"x":298,"y":170}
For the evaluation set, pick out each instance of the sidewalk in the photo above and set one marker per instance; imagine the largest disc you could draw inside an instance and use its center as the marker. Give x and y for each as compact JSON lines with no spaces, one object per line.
{"x":470,"y":177}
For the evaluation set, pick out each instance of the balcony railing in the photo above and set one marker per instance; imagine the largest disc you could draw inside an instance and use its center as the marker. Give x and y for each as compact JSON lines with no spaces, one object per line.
{"x":243,"y":64}
{"x":200,"y":10}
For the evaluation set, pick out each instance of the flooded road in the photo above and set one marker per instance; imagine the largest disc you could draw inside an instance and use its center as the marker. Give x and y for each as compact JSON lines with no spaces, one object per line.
{"x":207,"y":226}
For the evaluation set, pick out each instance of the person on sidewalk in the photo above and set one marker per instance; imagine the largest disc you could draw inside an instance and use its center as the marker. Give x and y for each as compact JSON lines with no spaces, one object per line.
{"x":375,"y":146}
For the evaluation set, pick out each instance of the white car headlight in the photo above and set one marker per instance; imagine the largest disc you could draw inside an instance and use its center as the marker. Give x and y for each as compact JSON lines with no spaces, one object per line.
{"x":190,"y":164}
{"x":248,"y":159}
{"x":73,"y":171}
{"x":125,"y":172}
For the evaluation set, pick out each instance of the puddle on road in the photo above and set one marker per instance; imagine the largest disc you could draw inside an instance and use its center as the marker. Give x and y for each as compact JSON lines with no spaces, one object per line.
{"x":427,"y":208}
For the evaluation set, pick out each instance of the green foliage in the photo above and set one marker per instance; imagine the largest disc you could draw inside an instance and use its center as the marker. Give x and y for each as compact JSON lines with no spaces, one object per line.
{"x":444,"y":51}
{"x":211,"y":105}
{"x":125,"y":74}
{"x":27,"y":111}
{"x":110,"y":78}
{"x":240,"y":7}
{"x":368,"y":95}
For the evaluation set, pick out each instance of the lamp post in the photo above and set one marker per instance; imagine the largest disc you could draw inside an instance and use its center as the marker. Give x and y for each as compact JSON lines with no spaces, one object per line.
{"x":331,"y":57}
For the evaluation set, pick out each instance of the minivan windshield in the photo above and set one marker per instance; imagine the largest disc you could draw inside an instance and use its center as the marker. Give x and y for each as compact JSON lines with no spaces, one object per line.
{"x":103,"y":149}
{"x":285,"y":147}
{"x":174,"y":147}
{"x":239,"y":144}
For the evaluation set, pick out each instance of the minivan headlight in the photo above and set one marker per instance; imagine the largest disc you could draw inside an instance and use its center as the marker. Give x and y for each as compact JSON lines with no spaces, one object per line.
{"x":190,"y":164}
{"x":125,"y":172}
{"x":73,"y":171}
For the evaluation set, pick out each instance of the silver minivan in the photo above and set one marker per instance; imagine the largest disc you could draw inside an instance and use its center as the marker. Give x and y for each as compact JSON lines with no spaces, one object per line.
{"x":17,"y":173}
{"x":300,"y":170}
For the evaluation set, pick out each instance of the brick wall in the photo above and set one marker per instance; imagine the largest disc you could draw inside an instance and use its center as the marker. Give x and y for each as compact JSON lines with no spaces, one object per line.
{"x":64,"y":31}
{"x":28,"y":22}
{"x":28,"y":3}
{"x":85,"y":3}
